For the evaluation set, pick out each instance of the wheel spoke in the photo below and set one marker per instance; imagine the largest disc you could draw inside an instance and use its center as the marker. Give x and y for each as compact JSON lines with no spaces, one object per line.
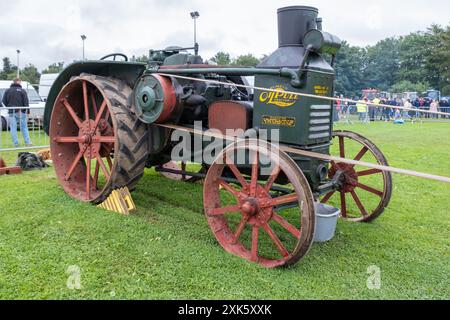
{"x":290,"y":198}
{"x":107,"y":115}
{"x":68,"y":139}
{"x":369,"y":172}
{"x":103,"y":167}
{"x":96,"y":172}
{"x":88,"y":178}
{"x":237,"y":174}
{"x":273,"y":177}
{"x":229,"y":188}
{"x":370,"y":189}
{"x":223,"y":210}
{"x":85,"y":101}
{"x":74,"y":163}
{"x":99,"y":115}
{"x":104,"y":139}
{"x":285,"y":224}
{"x":72,"y":113}
{"x":110,"y":164}
{"x":342,"y":147}
{"x":276,"y":240}
{"x":255,"y":239}
{"x":327,"y":197}
{"x":94,"y":103}
{"x":361,"y":154}
{"x":255,"y":173}
{"x":343,"y":205}
{"x":240,"y":228}
{"x":359,"y":204}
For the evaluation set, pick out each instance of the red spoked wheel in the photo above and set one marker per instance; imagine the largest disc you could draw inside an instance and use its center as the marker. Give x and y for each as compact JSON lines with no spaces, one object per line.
{"x":247,"y":217}
{"x":365,"y":193}
{"x":97,"y":142}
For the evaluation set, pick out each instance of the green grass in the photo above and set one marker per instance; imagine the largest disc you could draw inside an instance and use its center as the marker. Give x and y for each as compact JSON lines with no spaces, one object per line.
{"x":166,"y":250}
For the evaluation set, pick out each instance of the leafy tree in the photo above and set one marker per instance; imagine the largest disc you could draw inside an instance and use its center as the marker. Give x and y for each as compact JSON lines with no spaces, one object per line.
{"x":381,"y":64}
{"x":408,"y":86}
{"x":248,"y":60}
{"x":6,"y":65}
{"x":349,"y":70}
{"x":143,"y":58}
{"x":439,"y":58}
{"x":30,"y":74}
{"x":54,"y":68}
{"x":222,"y":58}
{"x":413,"y":55}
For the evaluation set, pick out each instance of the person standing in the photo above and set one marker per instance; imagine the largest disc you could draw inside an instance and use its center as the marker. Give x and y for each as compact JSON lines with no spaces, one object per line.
{"x":337,"y":109}
{"x":361,"y":108}
{"x":434,"y":107}
{"x":374,"y":109}
{"x":408,"y":105}
{"x":13,"y":98}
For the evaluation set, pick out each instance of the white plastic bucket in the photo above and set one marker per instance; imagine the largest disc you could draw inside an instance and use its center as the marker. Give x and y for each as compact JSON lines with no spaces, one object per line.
{"x":326,"y":221}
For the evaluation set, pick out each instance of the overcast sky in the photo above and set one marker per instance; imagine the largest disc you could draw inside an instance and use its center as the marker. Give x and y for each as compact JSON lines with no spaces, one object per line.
{"x":47,"y":31}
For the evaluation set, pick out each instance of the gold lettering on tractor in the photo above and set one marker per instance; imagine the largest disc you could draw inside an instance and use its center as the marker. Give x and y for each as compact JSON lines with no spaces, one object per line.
{"x":321,"y":90}
{"x":280,"y":98}
{"x":278,"y":121}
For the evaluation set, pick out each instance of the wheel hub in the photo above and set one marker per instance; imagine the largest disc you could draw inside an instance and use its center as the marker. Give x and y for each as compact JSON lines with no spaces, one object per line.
{"x":255,"y":207}
{"x":250,"y":207}
{"x":350,"y":176}
{"x":87,"y":135}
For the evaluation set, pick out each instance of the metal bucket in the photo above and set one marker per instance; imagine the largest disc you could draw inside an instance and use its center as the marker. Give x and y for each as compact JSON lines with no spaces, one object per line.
{"x":326,"y":221}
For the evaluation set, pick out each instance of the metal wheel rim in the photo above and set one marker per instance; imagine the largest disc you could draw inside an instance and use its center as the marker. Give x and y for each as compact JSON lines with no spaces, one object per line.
{"x":384,"y":195}
{"x":63,"y":124}
{"x":229,"y":239}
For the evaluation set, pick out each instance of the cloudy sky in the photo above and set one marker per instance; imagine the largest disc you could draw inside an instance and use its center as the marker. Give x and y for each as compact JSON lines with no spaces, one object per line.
{"x":47,"y":31}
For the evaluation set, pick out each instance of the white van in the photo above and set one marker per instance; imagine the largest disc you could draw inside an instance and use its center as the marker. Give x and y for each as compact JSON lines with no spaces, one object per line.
{"x":45,"y":83}
{"x":36,"y":104}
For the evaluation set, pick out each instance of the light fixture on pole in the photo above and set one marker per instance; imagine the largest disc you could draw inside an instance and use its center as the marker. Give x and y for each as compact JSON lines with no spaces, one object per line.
{"x":18,"y":63}
{"x":195,"y":15}
{"x":83,"y":37}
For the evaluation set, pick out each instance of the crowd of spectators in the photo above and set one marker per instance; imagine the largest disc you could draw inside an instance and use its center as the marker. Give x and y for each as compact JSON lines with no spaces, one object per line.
{"x":369,"y":110}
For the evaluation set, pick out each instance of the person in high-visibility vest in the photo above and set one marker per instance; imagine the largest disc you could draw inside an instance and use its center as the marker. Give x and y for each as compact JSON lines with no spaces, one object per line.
{"x":374,"y":109}
{"x":361,"y":108}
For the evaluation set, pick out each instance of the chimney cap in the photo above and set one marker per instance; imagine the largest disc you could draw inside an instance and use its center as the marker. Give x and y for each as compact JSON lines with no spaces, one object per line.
{"x":306,"y":8}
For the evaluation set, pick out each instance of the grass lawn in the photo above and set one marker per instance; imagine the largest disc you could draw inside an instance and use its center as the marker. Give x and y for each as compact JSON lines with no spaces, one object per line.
{"x":166,"y":250}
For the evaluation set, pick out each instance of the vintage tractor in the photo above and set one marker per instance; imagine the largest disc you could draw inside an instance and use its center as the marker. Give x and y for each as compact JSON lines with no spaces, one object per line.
{"x":108,"y":120}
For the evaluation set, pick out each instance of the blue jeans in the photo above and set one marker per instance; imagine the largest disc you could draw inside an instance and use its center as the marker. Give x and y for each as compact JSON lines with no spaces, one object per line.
{"x":20,"y":117}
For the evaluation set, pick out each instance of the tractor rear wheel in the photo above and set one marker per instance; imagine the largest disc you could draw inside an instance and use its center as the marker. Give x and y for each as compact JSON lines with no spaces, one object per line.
{"x":98,"y":144}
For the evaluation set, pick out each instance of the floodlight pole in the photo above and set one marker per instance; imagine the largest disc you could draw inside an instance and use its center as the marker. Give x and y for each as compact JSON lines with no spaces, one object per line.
{"x":83,"y":37}
{"x":18,"y":63}
{"x":195,"y":15}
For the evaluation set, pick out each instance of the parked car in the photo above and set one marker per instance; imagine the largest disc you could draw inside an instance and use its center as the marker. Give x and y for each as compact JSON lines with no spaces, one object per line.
{"x":36,"y":113}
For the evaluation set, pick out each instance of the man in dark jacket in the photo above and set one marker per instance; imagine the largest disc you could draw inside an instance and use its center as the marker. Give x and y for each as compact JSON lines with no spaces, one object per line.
{"x":13,"y":98}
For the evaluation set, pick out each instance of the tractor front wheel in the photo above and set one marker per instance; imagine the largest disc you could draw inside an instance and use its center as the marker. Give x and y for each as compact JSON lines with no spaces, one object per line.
{"x":249,"y":215}
{"x":364,"y":193}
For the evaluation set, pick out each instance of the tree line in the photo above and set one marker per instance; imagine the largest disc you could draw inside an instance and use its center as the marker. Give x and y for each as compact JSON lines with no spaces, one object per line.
{"x":29,"y":73}
{"x":415,"y":62}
